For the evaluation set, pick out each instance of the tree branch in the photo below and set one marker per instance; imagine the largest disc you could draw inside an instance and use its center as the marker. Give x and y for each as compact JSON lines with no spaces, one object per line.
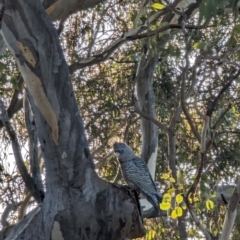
{"x":222,"y":115}
{"x":184,"y":108}
{"x":204,"y":231}
{"x":33,"y":142}
{"x":150,"y":118}
{"x":16,"y":104}
{"x":22,"y":209}
{"x":31,"y":186}
{"x":167,"y":27}
{"x":227,"y":85}
{"x":231,"y":212}
{"x":7,"y":211}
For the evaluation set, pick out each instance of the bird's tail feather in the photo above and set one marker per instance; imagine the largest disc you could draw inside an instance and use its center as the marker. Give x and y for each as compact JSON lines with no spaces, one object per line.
{"x":155,"y":200}
{"x":159,"y":198}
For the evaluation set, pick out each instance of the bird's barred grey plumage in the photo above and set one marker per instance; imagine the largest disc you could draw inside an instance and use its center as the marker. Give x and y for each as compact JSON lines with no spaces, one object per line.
{"x":136,"y":174}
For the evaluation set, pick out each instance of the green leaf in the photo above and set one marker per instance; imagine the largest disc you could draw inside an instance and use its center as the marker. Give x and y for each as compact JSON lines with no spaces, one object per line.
{"x":237,"y":29}
{"x":209,"y":204}
{"x":167,"y":197}
{"x":173,"y":51}
{"x":174,"y":214}
{"x":208,"y":9}
{"x":158,"y":6}
{"x":165,"y":176}
{"x":233,"y":3}
{"x":2,"y":66}
{"x":14,"y":83}
{"x":3,"y":79}
{"x":179,"y":198}
{"x":199,"y":45}
{"x":172,"y":180}
{"x":150,"y":235}
{"x":171,"y":190}
{"x":213,"y":194}
{"x":165,"y":205}
{"x":179,"y":211}
{"x":233,"y":109}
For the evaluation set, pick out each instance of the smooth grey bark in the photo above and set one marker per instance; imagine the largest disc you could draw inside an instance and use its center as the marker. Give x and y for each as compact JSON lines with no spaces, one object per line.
{"x":77,"y":204}
{"x":58,"y":10}
{"x":231,"y":213}
{"x":33,"y":145}
{"x":145,"y":95}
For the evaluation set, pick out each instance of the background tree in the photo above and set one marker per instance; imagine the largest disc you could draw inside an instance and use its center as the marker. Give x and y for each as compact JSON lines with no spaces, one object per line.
{"x":163,"y":78}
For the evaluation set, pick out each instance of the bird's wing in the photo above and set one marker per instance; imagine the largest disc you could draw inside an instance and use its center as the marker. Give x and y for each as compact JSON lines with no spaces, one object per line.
{"x":143,"y":178}
{"x":144,"y":183}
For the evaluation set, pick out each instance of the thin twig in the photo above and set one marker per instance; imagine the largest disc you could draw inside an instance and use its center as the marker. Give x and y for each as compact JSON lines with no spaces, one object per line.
{"x":225,"y":87}
{"x":167,"y":27}
{"x":204,"y":231}
{"x":186,"y":95}
{"x":222,"y":115}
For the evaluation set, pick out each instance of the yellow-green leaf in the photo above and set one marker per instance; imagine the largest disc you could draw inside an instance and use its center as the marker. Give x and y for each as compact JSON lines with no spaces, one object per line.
{"x":180,"y":187}
{"x":174,"y":214}
{"x":196,"y":199}
{"x":172,"y":180}
{"x":192,"y":198}
{"x":165,"y":176}
{"x":184,"y":207}
{"x":167,"y":197}
{"x":200,"y":45}
{"x":158,"y":6}
{"x":179,"y":211}
{"x":209,"y":204}
{"x":179,"y":198}
{"x":196,"y":45}
{"x":213,"y":194}
{"x":151,"y":235}
{"x":165,"y":205}
{"x":171,"y":190}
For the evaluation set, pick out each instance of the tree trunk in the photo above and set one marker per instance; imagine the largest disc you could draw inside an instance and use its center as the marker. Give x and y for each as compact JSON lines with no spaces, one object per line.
{"x":77,"y":204}
{"x":144,"y":80}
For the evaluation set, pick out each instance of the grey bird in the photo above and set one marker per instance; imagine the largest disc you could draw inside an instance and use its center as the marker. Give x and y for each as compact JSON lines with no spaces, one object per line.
{"x":136,"y":174}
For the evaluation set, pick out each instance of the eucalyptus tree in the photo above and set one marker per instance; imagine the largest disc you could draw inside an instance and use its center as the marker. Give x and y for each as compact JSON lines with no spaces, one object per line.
{"x":162,"y":76}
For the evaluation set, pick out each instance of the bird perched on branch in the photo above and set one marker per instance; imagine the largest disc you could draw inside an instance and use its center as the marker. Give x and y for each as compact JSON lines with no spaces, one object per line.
{"x":136,"y":174}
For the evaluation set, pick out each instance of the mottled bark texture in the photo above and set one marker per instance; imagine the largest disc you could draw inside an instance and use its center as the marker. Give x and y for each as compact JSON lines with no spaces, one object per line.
{"x":77,"y":204}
